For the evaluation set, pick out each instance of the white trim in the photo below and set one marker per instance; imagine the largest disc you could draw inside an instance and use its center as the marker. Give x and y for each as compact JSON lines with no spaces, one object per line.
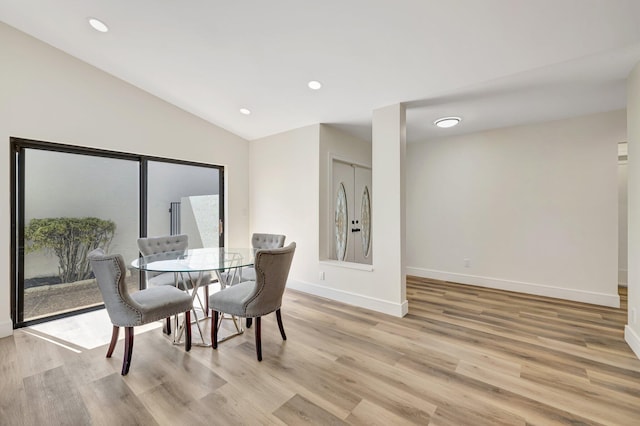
{"x":6,"y":328}
{"x":612,"y":300}
{"x":404,"y":308}
{"x":378,"y":305}
{"x":348,"y":265}
{"x":336,"y":157}
{"x":632,"y":339}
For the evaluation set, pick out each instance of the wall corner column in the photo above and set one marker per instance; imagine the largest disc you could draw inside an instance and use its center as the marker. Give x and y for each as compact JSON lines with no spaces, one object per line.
{"x":389,"y":143}
{"x":632,"y":330}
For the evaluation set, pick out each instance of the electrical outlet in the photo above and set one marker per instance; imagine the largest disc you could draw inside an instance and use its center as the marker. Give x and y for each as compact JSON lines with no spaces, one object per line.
{"x":321,"y":275}
{"x":467,"y":262}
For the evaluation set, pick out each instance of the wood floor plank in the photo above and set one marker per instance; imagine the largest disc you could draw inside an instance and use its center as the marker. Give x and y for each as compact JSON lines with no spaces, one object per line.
{"x":43,"y":355}
{"x":111,"y":402}
{"x":54,"y":400}
{"x":12,"y":394}
{"x":551,"y":378}
{"x":463,"y":355}
{"x":457,"y":387}
{"x":300,"y":411}
{"x":372,"y":414}
{"x":406,"y":391}
{"x":552,"y":396}
{"x":229,"y":405}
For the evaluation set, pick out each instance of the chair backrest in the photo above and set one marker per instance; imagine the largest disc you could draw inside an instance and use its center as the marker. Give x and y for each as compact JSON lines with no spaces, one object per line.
{"x":267,"y":241}
{"x":272,"y":270}
{"x":163,"y":244}
{"x":110,"y":273}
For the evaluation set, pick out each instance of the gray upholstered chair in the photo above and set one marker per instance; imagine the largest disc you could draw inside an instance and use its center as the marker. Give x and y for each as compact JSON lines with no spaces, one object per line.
{"x":138,"y":308}
{"x":163,"y":244}
{"x":259,"y":241}
{"x":262,"y":241}
{"x":254,"y":299}
{"x":267,"y":241}
{"x":170,"y":244}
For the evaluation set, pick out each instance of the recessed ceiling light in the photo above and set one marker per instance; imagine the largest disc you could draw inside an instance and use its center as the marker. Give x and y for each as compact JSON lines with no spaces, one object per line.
{"x":98,"y":25}
{"x":314,"y":85}
{"x":446,"y":122}
{"x":245,"y":111}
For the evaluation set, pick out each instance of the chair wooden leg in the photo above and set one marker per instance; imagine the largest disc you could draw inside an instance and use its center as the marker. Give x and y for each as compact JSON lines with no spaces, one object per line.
{"x":187,"y":336}
{"x":279,"y":317}
{"x":206,"y":300}
{"x":114,"y":340}
{"x":214,"y":330}
{"x":249,"y":321}
{"x":128,"y":350}
{"x":258,"y":340}
{"x":167,"y":326}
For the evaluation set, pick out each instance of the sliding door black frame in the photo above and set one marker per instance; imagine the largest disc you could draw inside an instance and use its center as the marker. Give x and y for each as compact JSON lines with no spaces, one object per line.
{"x":17,"y":181}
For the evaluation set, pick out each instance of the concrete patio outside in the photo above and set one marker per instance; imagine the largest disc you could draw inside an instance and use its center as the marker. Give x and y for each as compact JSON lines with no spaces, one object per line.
{"x":47,"y":300}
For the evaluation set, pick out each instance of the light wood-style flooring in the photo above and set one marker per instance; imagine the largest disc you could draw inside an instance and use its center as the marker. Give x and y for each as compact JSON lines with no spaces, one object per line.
{"x":462,"y":356}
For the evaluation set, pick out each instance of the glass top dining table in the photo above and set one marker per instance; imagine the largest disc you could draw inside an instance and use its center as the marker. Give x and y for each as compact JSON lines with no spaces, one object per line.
{"x":192,"y":264}
{"x":196,"y":260}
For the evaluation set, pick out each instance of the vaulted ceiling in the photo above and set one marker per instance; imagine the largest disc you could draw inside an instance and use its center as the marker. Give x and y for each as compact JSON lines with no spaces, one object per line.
{"x":495,"y":63}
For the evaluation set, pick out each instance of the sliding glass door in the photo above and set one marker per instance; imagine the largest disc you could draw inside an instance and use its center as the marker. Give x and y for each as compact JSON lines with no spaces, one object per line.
{"x":70,"y":200}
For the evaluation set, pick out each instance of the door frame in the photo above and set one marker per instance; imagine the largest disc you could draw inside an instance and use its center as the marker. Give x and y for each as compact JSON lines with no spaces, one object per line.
{"x":17,"y":182}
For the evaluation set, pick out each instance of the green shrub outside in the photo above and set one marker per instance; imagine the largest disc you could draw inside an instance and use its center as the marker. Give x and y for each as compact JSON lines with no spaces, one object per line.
{"x":71,"y":240}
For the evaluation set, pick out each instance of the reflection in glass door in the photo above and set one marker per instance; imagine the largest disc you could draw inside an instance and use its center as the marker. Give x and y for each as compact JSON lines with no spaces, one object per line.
{"x":72,"y":203}
{"x":185,"y":199}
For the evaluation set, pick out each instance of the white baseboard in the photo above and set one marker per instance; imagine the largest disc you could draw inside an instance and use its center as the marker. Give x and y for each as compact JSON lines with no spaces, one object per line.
{"x":6,"y":328}
{"x":378,"y":305}
{"x":612,"y":300}
{"x":632,"y":339}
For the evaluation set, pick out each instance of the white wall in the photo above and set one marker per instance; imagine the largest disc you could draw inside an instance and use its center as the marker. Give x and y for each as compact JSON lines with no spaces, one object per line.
{"x":48,"y":95}
{"x":533,"y":208}
{"x":632,"y":330}
{"x":284,"y":193}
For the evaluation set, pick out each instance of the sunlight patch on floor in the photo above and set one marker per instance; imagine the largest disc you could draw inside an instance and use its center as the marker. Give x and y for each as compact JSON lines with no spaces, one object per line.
{"x":89,"y":330}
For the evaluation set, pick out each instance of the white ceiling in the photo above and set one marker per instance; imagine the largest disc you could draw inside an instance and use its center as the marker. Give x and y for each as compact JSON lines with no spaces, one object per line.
{"x":493,"y":62}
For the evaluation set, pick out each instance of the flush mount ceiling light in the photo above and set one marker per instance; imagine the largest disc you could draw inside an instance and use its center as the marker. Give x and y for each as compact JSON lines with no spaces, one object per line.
{"x":314,"y":85}
{"x":98,"y":25}
{"x":245,"y":111}
{"x":446,"y":122}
